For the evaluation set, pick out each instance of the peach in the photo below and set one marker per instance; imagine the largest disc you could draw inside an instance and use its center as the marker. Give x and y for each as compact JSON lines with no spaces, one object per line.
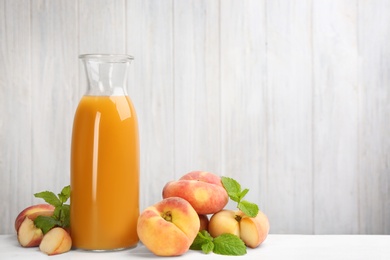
{"x":169,"y":227}
{"x":203,"y":190}
{"x":28,"y":234}
{"x":253,"y":231}
{"x":204,"y":222}
{"x":32,"y":212}
{"x":56,"y":241}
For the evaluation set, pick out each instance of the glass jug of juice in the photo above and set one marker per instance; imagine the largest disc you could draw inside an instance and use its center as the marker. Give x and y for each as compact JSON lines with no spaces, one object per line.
{"x":104,"y":203}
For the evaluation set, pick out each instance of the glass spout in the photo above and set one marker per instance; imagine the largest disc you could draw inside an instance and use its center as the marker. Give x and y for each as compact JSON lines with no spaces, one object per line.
{"x":106,"y":73}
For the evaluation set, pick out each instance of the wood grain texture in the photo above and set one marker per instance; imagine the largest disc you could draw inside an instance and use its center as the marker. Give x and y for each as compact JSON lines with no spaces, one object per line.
{"x":197,"y":87}
{"x":374,"y":117}
{"x":289,"y":106}
{"x":102,"y":26}
{"x":290,"y":98}
{"x":15,"y":103}
{"x":335,"y":117}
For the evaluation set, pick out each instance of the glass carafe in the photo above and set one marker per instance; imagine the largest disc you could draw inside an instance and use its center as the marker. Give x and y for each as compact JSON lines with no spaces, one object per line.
{"x":104,"y":204}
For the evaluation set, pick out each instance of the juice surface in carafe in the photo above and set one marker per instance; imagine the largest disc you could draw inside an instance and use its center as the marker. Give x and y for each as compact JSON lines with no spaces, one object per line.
{"x":104,"y":174}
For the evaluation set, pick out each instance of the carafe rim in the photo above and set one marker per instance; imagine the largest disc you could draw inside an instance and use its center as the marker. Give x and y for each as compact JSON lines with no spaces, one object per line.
{"x":106,"y":57}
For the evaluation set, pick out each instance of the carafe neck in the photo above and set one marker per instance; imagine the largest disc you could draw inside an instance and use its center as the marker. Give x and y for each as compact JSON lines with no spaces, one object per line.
{"x":106,"y":73}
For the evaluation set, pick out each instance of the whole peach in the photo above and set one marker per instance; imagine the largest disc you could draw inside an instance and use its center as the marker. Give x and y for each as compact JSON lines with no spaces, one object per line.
{"x":169,"y":227}
{"x":204,"y":222}
{"x":203,"y":190}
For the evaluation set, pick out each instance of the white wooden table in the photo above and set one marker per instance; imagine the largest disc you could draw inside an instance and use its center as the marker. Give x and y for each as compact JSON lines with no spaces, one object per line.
{"x":375,"y":247}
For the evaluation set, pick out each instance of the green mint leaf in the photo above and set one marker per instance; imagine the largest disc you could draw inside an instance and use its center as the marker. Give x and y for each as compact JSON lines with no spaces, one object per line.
{"x":57,"y":212}
{"x":45,"y":223}
{"x":65,"y":194}
{"x":196,"y":245}
{"x":61,"y":214}
{"x":208,"y":247}
{"x":232,"y":187}
{"x":203,"y":237}
{"x":206,"y":235}
{"x":49,"y":197}
{"x":65,"y":216}
{"x":229,"y":244}
{"x":234,"y":197}
{"x":249,"y":209}
{"x":243,"y":193}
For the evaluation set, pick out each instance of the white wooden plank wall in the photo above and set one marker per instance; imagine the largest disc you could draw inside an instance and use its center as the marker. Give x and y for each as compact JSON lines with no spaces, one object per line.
{"x":335,"y":71}
{"x":290,"y":115}
{"x":291,"y":98}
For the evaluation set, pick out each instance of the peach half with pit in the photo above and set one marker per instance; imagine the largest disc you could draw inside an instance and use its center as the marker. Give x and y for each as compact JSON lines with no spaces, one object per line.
{"x":203,"y":190}
{"x":169,"y":227}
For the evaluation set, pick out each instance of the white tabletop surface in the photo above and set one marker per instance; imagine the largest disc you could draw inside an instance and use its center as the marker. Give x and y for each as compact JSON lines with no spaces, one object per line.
{"x":373,"y":247}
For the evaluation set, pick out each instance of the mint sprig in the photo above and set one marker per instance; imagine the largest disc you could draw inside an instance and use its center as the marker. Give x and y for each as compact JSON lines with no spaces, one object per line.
{"x":235,"y":192}
{"x":61,"y":214}
{"x":203,"y":241}
{"x":229,"y":244}
{"x":225,"y":244}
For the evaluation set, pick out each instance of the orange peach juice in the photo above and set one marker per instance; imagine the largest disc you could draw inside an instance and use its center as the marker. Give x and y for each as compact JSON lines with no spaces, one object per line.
{"x":104,"y":203}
